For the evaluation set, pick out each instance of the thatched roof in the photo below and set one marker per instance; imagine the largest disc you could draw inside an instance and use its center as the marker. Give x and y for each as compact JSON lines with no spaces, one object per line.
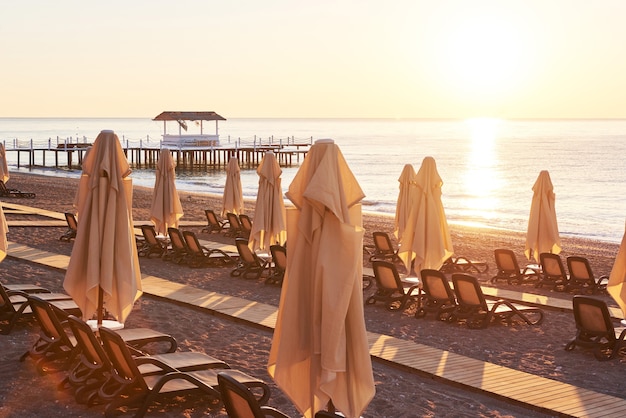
{"x":189,"y":116}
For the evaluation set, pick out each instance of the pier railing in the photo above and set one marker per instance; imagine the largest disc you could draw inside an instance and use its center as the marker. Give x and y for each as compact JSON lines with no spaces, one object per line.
{"x":144,"y":151}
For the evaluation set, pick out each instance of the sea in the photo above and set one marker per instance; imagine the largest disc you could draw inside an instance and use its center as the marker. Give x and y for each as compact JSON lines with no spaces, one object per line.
{"x":488,"y":166}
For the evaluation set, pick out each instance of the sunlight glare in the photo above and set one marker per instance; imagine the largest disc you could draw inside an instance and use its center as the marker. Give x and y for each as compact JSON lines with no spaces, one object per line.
{"x":483,"y":57}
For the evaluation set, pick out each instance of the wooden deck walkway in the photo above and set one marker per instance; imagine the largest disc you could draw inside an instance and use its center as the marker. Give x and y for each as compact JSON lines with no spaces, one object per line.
{"x":533,"y":392}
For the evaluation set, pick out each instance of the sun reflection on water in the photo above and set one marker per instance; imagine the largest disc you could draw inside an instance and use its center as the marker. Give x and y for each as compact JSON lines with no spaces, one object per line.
{"x":481,"y":180}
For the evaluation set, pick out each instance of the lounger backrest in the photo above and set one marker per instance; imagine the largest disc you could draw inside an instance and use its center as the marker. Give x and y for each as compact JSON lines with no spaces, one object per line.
{"x":233,"y":220}
{"x":120,"y":357}
{"x":211,"y":217}
{"x":579,"y":268}
{"x":506,"y":261}
{"x":47,"y":319}
{"x":382,"y":242}
{"x":279,"y":256}
{"x":71,"y":221}
{"x":387,"y":276}
{"x":246,"y":254}
{"x":86,"y":339}
{"x":436,"y":285}
{"x":177,"y":239}
{"x":592,"y":316}
{"x":552,"y":266}
{"x":191,"y":240}
{"x":149,"y":234}
{"x":246,"y":223}
{"x":468,"y":291}
{"x":239,"y":402}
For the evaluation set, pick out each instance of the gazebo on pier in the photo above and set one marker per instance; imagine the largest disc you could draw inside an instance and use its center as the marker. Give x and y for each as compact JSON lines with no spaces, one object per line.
{"x":189,"y":140}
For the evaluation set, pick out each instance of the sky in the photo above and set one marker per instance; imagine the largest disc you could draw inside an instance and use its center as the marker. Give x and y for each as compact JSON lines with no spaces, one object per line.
{"x":314,"y":59}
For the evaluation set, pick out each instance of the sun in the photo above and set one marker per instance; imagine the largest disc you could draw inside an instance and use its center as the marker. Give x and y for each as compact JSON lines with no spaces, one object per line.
{"x":483,"y":57}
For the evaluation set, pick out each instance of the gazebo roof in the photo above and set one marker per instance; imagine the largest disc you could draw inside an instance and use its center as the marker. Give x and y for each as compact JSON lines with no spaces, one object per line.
{"x":189,"y":116}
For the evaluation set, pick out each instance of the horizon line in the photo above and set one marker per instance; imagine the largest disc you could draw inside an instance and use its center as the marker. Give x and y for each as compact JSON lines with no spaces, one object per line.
{"x":346,"y":118}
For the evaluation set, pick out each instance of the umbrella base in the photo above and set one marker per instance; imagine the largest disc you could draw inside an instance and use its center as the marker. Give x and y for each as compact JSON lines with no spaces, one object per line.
{"x":107,"y":323}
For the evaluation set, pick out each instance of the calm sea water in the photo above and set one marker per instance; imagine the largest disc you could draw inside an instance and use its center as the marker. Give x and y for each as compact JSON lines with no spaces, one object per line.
{"x":488,"y":166}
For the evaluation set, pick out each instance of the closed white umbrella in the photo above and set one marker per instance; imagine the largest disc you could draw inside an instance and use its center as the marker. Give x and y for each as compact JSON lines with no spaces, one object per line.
{"x":4,"y":168}
{"x":406,"y":197}
{"x":269,"y":225}
{"x":4,"y":244}
{"x":320,"y":352}
{"x":617,"y":280}
{"x":103,"y":271}
{"x":166,"y":208}
{"x":426,"y":241}
{"x":232,"y":200}
{"x":543,"y":231}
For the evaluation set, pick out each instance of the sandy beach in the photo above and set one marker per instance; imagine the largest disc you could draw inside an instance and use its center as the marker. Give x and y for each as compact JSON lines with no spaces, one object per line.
{"x":399,"y":393}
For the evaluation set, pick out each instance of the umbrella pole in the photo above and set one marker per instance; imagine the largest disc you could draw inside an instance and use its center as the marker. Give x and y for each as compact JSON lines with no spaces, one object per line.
{"x":100,"y":311}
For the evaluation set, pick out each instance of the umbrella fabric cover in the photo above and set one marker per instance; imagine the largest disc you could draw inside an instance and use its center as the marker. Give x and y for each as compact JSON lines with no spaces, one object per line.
{"x":233,"y":194}
{"x":320,"y":351}
{"x":617,"y":280}
{"x":4,"y":245}
{"x":166,"y":208}
{"x":4,"y":168}
{"x":426,"y":241}
{"x":104,"y":255}
{"x":268,"y":227}
{"x":82,"y":184}
{"x":406,"y":198}
{"x":543,"y":231}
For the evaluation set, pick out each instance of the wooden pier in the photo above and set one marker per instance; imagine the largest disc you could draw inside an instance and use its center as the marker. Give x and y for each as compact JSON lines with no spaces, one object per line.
{"x":71,"y":155}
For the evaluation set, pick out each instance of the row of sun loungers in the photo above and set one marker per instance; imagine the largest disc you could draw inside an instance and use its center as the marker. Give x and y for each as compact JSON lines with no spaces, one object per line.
{"x":184,"y":247}
{"x":130,"y":368}
{"x":465,"y":302}
{"x":551,"y":271}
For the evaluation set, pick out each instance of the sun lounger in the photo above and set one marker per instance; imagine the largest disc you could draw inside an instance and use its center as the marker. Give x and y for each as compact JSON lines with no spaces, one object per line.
{"x":6,"y":192}
{"x":199,"y":255}
{"x":234,"y":226}
{"x":383,"y":248}
{"x":239,"y":401}
{"x":595,"y":329}
{"x":72,"y":227}
{"x":438,"y":297}
{"x":581,"y":277}
{"x":390,"y":289}
{"x":12,"y":311}
{"x":464,"y":265}
{"x":151,"y":245}
{"x":249,"y":265}
{"x":213,"y":223}
{"x":127,"y":386}
{"x":509,"y":269}
{"x":178,"y":251}
{"x":279,"y":265}
{"x":92,"y":367}
{"x":552,"y":272}
{"x":478,"y":312}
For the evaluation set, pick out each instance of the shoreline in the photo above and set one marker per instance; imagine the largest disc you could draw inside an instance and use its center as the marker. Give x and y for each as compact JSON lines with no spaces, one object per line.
{"x":383,"y":215}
